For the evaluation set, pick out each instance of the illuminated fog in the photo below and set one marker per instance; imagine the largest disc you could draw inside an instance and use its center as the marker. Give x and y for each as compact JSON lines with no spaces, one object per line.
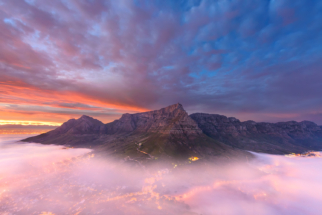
{"x":48,"y":179}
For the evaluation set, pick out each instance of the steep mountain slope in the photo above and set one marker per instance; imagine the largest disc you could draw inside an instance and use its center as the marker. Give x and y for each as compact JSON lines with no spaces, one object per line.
{"x":165,"y":133}
{"x":275,"y":138}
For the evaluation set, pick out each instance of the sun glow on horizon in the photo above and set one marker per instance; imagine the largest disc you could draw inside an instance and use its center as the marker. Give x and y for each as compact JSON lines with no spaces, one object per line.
{"x":19,"y":122}
{"x":17,"y":131}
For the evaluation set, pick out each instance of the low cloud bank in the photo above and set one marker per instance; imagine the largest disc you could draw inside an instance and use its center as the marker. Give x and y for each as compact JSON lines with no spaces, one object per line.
{"x":48,"y":179}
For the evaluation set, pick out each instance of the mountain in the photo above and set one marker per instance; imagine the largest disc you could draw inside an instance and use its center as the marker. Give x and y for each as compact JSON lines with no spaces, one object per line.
{"x":168,"y":133}
{"x":274,"y":138}
{"x":74,"y":132}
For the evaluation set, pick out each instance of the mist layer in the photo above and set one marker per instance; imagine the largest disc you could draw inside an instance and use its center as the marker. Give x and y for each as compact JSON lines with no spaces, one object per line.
{"x":49,"y":179}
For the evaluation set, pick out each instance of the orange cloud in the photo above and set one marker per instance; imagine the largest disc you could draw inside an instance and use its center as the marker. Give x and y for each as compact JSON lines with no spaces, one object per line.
{"x":18,"y":92}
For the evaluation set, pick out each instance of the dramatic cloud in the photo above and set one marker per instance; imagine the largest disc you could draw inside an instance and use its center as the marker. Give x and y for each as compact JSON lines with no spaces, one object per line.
{"x":48,"y":180}
{"x":251,"y":59}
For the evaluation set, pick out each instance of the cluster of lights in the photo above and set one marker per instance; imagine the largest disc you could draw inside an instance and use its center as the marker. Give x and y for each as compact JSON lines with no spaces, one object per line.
{"x":307,"y":154}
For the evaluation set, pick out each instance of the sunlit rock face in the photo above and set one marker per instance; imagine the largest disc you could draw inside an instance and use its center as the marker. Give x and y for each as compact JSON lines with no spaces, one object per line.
{"x":277,"y":138}
{"x":49,"y":179}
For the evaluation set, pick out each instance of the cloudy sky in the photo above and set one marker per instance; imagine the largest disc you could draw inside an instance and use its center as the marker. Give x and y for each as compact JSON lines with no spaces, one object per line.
{"x":252,"y":59}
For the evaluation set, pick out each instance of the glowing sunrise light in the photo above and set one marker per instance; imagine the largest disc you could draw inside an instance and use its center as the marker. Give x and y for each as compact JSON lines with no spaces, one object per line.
{"x":17,"y":122}
{"x":23,"y":131}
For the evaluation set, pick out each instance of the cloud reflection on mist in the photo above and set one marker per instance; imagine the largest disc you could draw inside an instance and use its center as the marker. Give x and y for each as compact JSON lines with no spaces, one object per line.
{"x":46,"y":179}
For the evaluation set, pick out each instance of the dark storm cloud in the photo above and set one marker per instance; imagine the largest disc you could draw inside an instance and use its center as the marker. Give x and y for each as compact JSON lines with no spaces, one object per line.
{"x":232,"y":57}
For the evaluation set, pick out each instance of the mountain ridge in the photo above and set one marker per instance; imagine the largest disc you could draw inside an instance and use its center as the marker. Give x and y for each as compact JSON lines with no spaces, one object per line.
{"x":165,"y":133}
{"x":274,"y":138}
{"x":171,"y":132}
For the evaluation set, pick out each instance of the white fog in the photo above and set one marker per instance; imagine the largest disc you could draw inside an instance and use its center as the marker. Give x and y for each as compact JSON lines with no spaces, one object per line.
{"x":49,"y":179}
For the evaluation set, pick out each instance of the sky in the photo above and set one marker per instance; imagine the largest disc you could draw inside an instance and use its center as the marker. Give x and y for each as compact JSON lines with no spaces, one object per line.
{"x":251,"y":59}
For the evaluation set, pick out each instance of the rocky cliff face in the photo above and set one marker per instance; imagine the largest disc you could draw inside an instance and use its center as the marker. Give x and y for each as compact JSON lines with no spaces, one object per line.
{"x":215,"y":124}
{"x":267,"y":137}
{"x":170,"y":120}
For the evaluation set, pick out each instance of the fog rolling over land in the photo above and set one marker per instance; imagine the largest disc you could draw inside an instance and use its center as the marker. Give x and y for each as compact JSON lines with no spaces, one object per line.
{"x":49,"y":179}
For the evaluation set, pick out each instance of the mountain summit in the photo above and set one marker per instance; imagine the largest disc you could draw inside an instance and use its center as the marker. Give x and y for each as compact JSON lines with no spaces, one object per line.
{"x":170,"y":120}
{"x":83,"y":125}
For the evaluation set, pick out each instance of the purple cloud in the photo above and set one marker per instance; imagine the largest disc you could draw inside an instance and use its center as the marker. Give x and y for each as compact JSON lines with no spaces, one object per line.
{"x":231,"y":57}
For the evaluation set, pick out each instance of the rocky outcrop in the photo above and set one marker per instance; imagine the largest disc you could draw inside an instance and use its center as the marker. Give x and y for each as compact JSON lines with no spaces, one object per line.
{"x":279,"y":138}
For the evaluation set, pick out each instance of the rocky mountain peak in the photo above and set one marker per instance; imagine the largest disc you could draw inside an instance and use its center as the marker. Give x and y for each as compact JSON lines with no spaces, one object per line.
{"x":84,"y":117}
{"x":88,"y":119}
{"x":167,"y":110}
{"x":174,"y":107}
{"x":83,"y":125}
{"x":171,"y":119}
